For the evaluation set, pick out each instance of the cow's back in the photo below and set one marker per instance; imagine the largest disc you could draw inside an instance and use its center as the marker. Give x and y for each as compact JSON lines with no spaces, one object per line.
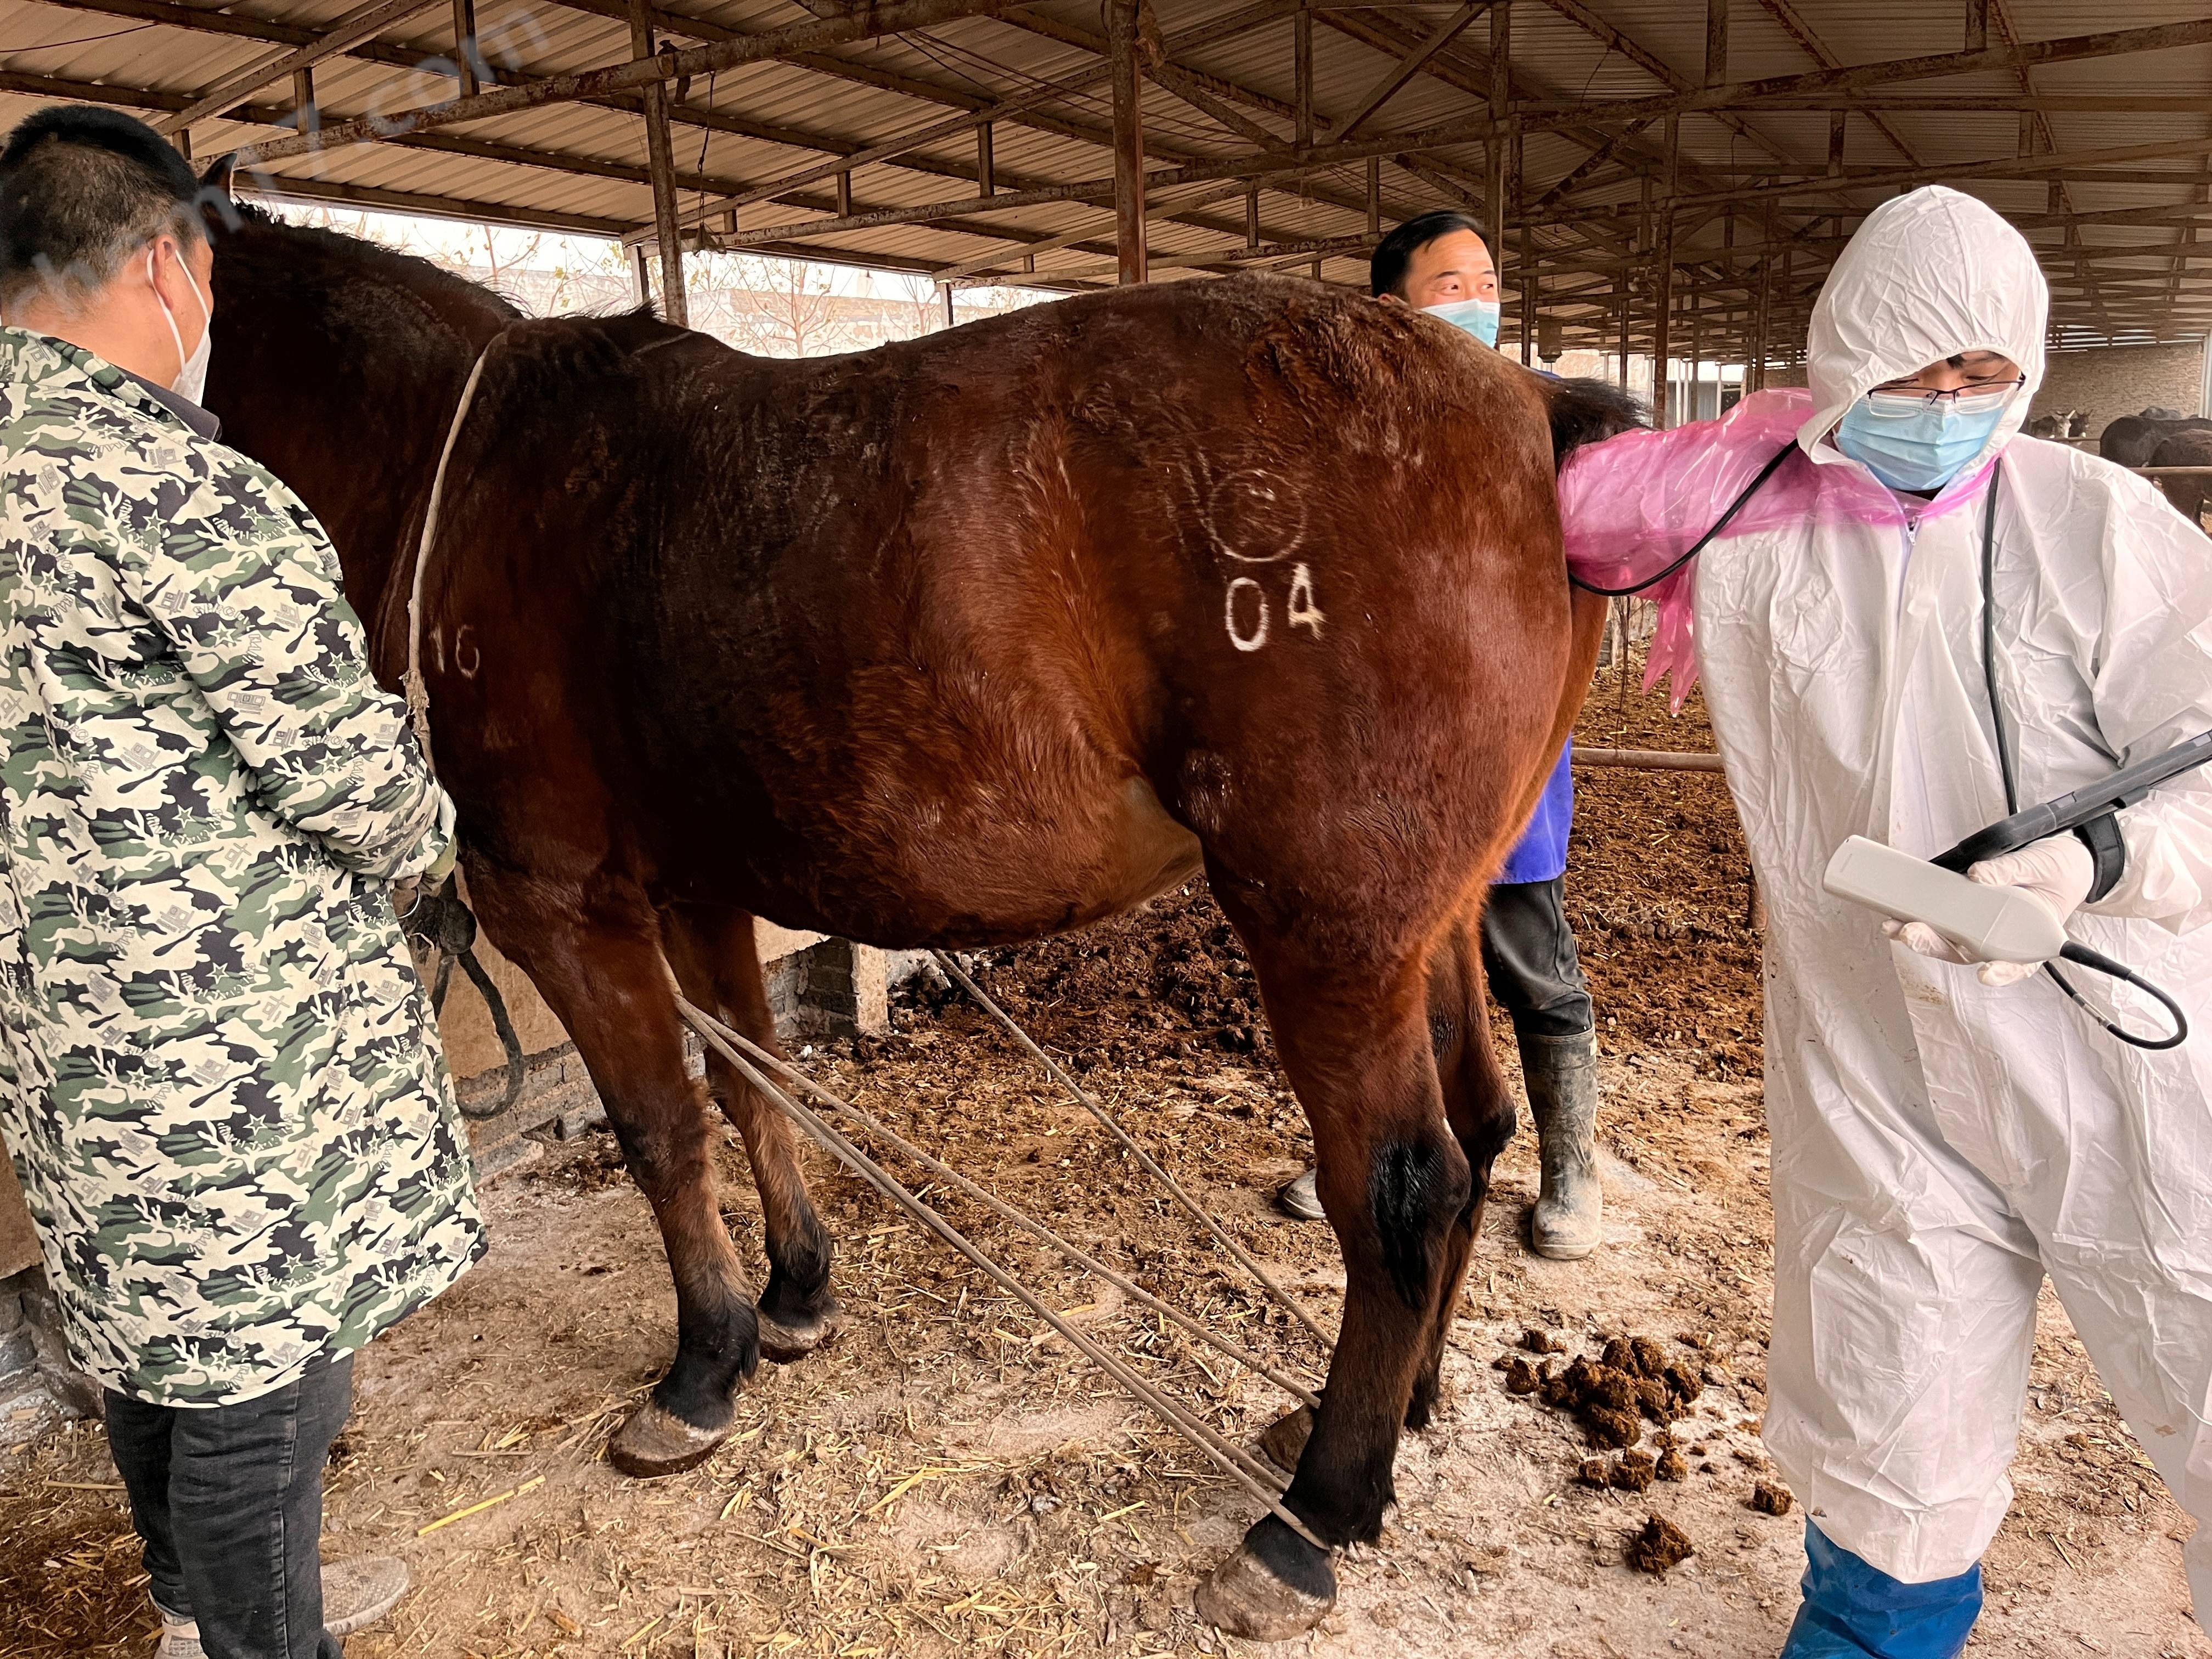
{"x":902,"y":620}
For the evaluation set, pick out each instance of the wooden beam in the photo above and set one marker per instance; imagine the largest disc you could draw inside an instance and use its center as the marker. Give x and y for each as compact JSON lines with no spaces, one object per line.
{"x":466,"y":59}
{"x":1411,"y":64}
{"x":660,"y":160}
{"x":871,"y":23}
{"x":1716,"y":42}
{"x":985,"y":175}
{"x":357,"y":25}
{"x":1129,"y":141}
{"x":439,"y":206}
{"x":1977,"y":25}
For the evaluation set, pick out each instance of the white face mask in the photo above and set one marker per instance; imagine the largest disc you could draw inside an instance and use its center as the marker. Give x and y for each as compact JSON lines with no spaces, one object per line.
{"x":191,"y":371}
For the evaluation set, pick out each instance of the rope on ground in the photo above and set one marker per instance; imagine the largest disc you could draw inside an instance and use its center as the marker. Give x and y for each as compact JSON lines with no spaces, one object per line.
{"x":1299,"y":1391}
{"x":1255,"y":1478}
{"x":1114,"y":1127}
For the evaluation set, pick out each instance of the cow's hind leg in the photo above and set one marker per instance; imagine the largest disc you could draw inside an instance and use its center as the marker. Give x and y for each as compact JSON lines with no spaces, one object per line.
{"x":600,"y":967}
{"x":1397,"y":1188}
{"x":1480,"y":1108}
{"x":717,"y":962}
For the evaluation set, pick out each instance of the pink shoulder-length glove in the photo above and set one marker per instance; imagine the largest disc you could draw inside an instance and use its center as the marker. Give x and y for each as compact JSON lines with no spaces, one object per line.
{"x":1634,"y":504}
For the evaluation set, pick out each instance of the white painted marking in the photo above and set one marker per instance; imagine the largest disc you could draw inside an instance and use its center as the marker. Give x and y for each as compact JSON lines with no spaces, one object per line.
{"x":1303,"y":611}
{"x":468,"y":659}
{"x":1258,"y":637}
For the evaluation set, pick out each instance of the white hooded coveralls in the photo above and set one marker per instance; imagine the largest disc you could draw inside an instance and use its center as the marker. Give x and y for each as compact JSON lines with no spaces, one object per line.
{"x":1939,"y":1145}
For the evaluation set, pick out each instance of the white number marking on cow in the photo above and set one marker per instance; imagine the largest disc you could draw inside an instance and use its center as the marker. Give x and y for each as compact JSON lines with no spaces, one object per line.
{"x":1302,"y":612}
{"x":1258,"y":637}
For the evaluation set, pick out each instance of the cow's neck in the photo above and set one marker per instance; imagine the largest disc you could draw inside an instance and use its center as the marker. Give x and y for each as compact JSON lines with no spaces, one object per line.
{"x":337,"y":364}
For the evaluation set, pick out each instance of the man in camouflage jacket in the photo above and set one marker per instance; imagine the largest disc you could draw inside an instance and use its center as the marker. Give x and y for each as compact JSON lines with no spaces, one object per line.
{"x":220,"y":1080}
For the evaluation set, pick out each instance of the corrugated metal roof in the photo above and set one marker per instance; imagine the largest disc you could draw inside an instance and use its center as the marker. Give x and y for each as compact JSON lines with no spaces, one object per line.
{"x":582,"y":164}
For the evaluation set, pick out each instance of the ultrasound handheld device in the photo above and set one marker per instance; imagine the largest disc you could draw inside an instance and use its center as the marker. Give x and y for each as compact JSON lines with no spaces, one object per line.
{"x":2003,"y":924}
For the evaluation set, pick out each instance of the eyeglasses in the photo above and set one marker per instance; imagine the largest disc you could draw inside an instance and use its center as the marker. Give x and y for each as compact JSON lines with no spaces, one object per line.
{"x":1975,"y":397}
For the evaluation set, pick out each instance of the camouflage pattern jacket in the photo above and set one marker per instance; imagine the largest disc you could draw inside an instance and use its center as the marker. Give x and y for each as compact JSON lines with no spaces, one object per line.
{"x":220,"y":1078}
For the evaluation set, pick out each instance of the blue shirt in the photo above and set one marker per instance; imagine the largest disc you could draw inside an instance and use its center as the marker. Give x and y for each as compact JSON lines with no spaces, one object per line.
{"x":1541,"y":853}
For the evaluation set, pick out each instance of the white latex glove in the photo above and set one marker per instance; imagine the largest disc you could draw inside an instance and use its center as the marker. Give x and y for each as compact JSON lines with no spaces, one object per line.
{"x":2056,"y":872}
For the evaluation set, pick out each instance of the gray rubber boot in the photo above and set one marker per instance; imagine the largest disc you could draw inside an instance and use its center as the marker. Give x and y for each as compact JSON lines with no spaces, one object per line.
{"x":1561,"y":1072}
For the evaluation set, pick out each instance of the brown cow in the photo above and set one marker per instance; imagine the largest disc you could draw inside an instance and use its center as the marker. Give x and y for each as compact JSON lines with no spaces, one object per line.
{"x":969,"y":640}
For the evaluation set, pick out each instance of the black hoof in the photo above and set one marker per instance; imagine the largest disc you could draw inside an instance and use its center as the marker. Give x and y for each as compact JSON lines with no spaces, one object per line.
{"x":1283,"y":1441}
{"x":784,"y":1342}
{"x":1275,"y":1587}
{"x":654,"y":1441}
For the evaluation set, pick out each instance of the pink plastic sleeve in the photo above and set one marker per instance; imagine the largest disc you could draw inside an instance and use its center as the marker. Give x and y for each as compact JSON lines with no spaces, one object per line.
{"x":1634,"y":504}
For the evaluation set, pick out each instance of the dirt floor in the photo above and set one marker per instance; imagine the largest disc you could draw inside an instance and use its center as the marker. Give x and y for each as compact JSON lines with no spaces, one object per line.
{"x":949,"y":1477}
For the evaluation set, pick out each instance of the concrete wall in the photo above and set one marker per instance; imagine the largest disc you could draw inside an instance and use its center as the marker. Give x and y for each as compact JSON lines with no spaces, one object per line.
{"x":2110,"y":381}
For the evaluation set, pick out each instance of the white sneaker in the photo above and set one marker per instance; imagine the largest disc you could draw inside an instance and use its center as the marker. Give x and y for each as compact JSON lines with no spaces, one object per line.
{"x":358,"y":1591}
{"x":361,"y":1589}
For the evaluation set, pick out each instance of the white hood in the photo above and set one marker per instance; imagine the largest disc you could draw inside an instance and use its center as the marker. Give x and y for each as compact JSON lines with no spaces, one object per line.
{"x":1928,"y":275}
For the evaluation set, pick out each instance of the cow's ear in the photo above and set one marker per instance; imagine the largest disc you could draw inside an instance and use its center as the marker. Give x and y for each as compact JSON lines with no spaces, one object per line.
{"x":218,"y":205}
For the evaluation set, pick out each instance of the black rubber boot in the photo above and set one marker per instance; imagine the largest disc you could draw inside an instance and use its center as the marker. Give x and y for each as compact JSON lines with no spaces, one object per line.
{"x":1561,"y":1074}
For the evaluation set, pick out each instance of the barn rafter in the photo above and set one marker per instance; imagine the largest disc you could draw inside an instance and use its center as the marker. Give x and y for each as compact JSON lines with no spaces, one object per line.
{"x":1650,"y":179}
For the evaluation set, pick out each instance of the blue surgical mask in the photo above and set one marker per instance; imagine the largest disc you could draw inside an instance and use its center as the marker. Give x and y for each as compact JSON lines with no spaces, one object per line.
{"x":1909,"y":443}
{"x":1477,"y":316}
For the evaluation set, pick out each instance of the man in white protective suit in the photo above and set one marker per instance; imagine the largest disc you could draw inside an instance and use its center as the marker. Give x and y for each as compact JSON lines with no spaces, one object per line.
{"x":1945,"y":1135}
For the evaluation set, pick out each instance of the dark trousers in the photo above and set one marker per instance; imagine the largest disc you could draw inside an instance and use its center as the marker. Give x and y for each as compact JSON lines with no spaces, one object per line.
{"x":1528,"y":958}
{"x":228,"y":1501}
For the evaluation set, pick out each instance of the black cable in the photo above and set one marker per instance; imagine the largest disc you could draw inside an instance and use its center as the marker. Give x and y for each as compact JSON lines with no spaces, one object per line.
{"x":2076,"y":953}
{"x":1734,"y":506}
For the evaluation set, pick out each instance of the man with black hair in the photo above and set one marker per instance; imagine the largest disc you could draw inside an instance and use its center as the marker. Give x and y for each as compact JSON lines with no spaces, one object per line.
{"x":1438,"y":263}
{"x":219,"y":1077}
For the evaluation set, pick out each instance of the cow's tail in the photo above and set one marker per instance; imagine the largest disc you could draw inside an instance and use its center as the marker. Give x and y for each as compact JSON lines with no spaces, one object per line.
{"x":1589,"y":412}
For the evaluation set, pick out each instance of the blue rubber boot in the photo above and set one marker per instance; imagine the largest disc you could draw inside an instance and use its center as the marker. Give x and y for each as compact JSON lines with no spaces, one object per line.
{"x":1853,"y":1611}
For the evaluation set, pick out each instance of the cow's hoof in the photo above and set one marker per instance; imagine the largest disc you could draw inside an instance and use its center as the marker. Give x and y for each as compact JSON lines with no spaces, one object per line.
{"x":784,"y":1343}
{"x":1275,"y":1587}
{"x":656,"y":1442}
{"x":1285,"y":1440}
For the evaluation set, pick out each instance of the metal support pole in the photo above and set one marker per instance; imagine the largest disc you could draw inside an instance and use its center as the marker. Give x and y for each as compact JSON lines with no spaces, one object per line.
{"x":640,"y":284}
{"x":1495,"y":149}
{"x":1527,"y":286}
{"x":845,"y":195}
{"x":1716,"y":42}
{"x":1755,"y":372}
{"x":1838,"y":120}
{"x":945,"y":288}
{"x":1302,"y":74}
{"x":660,"y":163}
{"x":465,"y":56}
{"x":1663,"y":303}
{"x":1624,"y":338}
{"x":303,"y":100}
{"x":985,"y":173}
{"x":1374,"y":196}
{"x":1977,"y":25}
{"x":1252,"y":217}
{"x":1129,"y":141}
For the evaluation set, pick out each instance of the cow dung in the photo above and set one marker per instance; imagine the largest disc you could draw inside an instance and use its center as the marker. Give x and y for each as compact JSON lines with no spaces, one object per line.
{"x":1672,"y":1465}
{"x":1659,"y":1545}
{"x":1634,"y":1471}
{"x":1770,"y":1498}
{"x":1519,"y":1376}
